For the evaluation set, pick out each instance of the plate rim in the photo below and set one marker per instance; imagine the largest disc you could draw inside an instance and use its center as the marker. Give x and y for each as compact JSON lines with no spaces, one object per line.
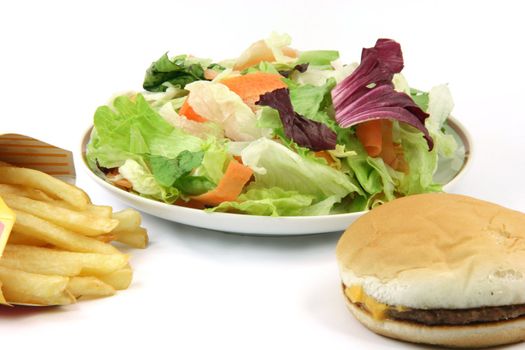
{"x":458,"y":127}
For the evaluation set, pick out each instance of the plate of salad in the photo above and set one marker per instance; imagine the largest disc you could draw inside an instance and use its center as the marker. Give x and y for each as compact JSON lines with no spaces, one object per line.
{"x":276,"y":141}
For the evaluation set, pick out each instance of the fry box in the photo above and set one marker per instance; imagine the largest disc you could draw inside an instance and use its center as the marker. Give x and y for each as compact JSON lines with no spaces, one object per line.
{"x":27,"y":152}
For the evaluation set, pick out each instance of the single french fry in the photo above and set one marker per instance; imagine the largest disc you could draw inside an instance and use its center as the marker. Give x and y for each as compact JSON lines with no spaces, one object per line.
{"x":128,"y":230}
{"x":106,"y":238}
{"x":33,"y":226}
{"x":137,"y":238}
{"x":129,"y":220}
{"x":47,"y":183}
{"x":20,"y":238}
{"x":20,"y":287}
{"x":104,"y":211}
{"x":79,"y":222}
{"x":89,"y":287}
{"x":24,"y":191}
{"x":120,"y":279}
{"x":2,"y":298}
{"x":48,"y":261}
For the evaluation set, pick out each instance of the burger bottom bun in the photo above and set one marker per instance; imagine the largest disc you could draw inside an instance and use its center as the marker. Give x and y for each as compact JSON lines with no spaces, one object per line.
{"x":469,"y":336}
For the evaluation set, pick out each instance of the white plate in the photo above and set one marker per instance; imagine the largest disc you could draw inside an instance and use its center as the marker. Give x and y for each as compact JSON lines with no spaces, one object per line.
{"x":264,"y":225}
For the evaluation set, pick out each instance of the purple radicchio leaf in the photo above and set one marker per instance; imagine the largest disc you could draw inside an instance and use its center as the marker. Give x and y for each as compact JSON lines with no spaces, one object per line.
{"x":368,"y":93}
{"x":305,"y":132}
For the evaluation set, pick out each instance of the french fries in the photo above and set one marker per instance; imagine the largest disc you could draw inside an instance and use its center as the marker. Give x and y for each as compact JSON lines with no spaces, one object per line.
{"x":48,"y":261}
{"x":34,"y":289}
{"x":86,"y":223}
{"x":120,"y":279}
{"x":24,"y":191}
{"x":59,"y":249}
{"x":35,"y":227}
{"x":103,"y":211}
{"x":128,"y":220}
{"x":46,"y":183}
{"x":20,"y":238}
{"x":2,"y":298}
{"x":89,"y":287}
{"x":128,"y":231}
{"x":137,"y":238}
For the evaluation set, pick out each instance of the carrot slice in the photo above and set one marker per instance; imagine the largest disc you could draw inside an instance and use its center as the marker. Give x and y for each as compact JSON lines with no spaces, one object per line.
{"x":189,"y":113}
{"x":392,"y":153}
{"x":388,"y":152}
{"x":250,"y":86}
{"x":376,"y":136}
{"x":229,"y":187}
{"x":370,"y":134}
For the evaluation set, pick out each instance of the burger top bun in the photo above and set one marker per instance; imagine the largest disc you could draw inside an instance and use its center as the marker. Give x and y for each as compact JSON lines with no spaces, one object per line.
{"x":437,"y":250}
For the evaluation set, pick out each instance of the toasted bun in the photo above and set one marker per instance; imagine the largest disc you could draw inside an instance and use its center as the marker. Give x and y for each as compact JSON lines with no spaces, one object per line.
{"x":437,"y":251}
{"x":481,"y":335}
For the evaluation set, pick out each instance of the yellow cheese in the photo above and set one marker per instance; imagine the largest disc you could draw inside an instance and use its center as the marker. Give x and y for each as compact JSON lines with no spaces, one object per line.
{"x":7,"y":220}
{"x":356,"y":294}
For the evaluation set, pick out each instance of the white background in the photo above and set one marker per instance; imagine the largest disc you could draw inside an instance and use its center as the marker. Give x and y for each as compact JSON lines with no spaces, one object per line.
{"x":195,"y":288}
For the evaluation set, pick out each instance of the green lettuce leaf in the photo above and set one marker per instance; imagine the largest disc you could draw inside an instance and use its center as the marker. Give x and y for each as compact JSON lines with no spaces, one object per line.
{"x":106,"y":155}
{"x":323,"y":207}
{"x":219,"y":104}
{"x":268,"y":118}
{"x":420,"y":98}
{"x":165,"y":178}
{"x":351,"y":204}
{"x":168,"y":170}
{"x":373,"y":174}
{"x":275,"y":165}
{"x":144,"y":182}
{"x":158,"y":99}
{"x":276,"y":42}
{"x":367,"y":176}
{"x":264,"y":66}
{"x":321,"y":58}
{"x":194,"y":185}
{"x":401,"y":85}
{"x":314,"y":102}
{"x":214,"y":162}
{"x":267,"y":201}
{"x":390,"y":178}
{"x":177,"y":72}
{"x":422,"y":164}
{"x":440,"y":105}
{"x":130,"y":129}
{"x":318,"y":75}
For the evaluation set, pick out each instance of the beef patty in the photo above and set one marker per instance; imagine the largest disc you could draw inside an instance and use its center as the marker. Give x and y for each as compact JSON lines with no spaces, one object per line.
{"x":435,"y":317}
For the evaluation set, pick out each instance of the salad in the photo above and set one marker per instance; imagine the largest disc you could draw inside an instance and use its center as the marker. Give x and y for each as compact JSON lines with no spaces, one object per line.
{"x":276,"y":132}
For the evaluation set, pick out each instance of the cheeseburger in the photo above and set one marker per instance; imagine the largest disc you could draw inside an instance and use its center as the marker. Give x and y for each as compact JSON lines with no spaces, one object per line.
{"x":439,"y":269}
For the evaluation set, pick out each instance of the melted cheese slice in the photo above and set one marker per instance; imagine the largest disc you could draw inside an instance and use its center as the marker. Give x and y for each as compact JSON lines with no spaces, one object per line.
{"x":378,"y":310}
{"x":7,"y":220}
{"x":356,"y":294}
